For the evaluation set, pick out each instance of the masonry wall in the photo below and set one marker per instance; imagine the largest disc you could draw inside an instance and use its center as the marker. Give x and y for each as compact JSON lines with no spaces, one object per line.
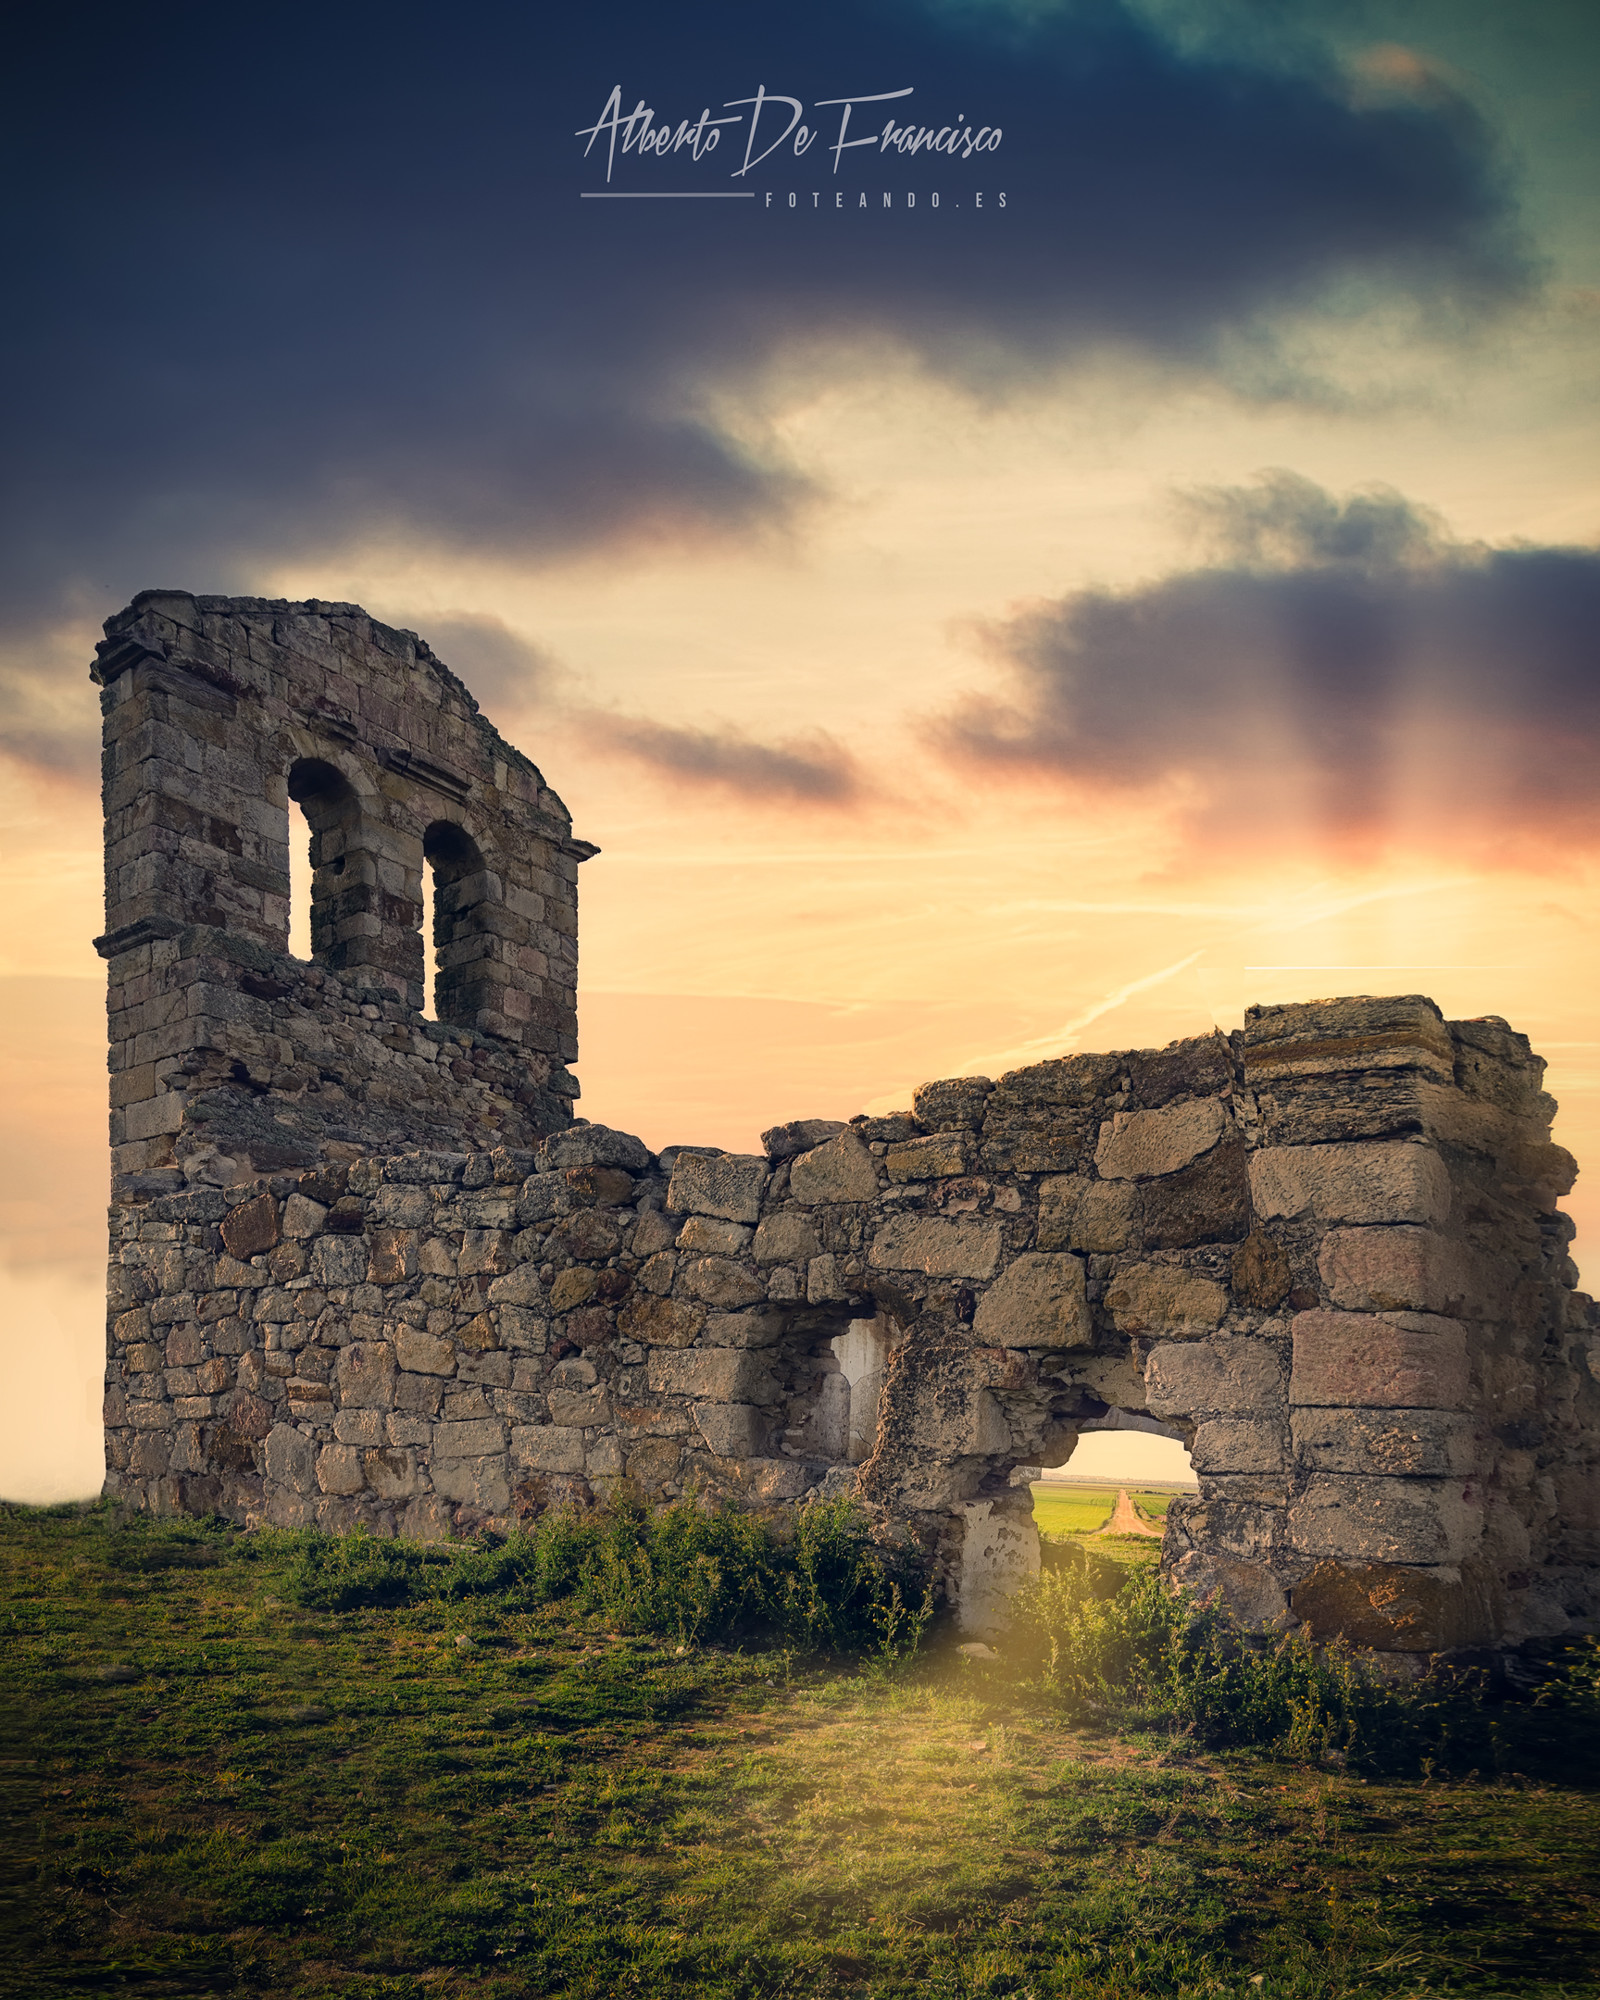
{"x":225,"y":721}
{"x":1325,"y":1252}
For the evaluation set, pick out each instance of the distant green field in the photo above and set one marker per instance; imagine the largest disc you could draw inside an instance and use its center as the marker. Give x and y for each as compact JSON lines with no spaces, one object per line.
{"x":1081,"y":1510}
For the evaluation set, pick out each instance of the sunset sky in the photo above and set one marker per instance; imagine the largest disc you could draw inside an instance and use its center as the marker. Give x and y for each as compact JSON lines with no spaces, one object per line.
{"x":969,"y":633}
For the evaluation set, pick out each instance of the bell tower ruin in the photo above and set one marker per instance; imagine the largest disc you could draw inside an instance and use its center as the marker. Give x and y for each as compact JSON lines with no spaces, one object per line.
{"x":367,"y":1269}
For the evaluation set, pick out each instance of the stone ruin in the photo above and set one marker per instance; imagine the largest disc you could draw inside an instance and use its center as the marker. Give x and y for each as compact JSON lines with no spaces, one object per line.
{"x":367,"y":1269}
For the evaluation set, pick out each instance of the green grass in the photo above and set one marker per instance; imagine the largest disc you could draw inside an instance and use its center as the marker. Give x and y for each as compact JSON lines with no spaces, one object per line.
{"x":220,"y":1790}
{"x":1060,"y":1511}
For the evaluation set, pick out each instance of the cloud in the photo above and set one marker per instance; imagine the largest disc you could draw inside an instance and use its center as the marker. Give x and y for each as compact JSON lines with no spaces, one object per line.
{"x":1343,"y":667}
{"x":355,"y":300}
{"x":501,"y":668}
{"x":812,"y":770}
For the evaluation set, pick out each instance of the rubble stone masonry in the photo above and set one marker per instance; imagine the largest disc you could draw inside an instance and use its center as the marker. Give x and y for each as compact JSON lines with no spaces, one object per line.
{"x":365,"y":1268}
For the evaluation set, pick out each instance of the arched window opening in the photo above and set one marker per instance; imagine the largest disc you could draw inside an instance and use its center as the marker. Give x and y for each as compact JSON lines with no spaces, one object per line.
{"x":460,"y":942}
{"x":300,"y":839}
{"x":329,"y":890}
{"x":862,"y":1351}
{"x":430,"y":931}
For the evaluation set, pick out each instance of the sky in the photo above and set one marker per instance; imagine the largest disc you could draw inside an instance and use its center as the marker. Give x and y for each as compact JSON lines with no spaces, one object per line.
{"x":971,"y":630}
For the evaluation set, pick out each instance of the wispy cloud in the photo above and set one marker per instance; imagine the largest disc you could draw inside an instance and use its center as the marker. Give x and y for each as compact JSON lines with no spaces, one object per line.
{"x":813,"y":769}
{"x":1341,"y":669}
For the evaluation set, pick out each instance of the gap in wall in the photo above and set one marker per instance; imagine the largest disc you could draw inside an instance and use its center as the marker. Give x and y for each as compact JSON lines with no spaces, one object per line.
{"x":299,"y":884}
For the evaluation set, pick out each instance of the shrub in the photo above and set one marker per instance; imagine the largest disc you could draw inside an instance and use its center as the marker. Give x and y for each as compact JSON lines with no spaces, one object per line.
{"x":1145,"y":1654}
{"x":695,"y":1573}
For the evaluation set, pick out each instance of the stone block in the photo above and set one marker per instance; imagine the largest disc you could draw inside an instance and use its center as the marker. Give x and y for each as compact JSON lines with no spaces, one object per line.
{"x":251,"y":1229}
{"x":1039,"y":1300}
{"x":1139,"y":1145}
{"x":652,"y":1232}
{"x":1076,"y":1213}
{"x":710,"y":1374}
{"x":473,"y":1482}
{"x":491,"y":1366}
{"x":359,"y":1427}
{"x":365,"y":1374}
{"x":800,"y":1135}
{"x":421,"y":1353}
{"x":717,"y":1281}
{"x":591,"y":1236}
{"x":520,"y":1329}
{"x":823,"y":1282}
{"x":749,"y":1329}
{"x":999,"y":1554}
{"x":661,"y":1322}
{"x":339,"y":1469}
{"x":425,"y":1169}
{"x":303,"y":1218}
{"x":1398,"y":1270}
{"x":477,"y":1439}
{"x":1394,"y":1443}
{"x":786,"y":1238}
{"x":840,"y":1170}
{"x":604,"y":1458}
{"x":572,"y":1287}
{"x":1165,"y":1299}
{"x":1391,"y":1608}
{"x":1259,"y":1272}
{"x":1368,"y":1520}
{"x":605,"y":1185}
{"x":580,"y":1408}
{"x":731,"y":1430}
{"x":728,"y":1185}
{"x":521,"y":1287}
{"x":1247,"y":1591}
{"x":291,"y":1459}
{"x":1239,"y":1444}
{"x":939,"y":1249}
{"x":393,"y":1257}
{"x":392,"y":1473}
{"x":420,"y":1394}
{"x":935,"y":1158}
{"x":547,"y":1448}
{"x":484,"y":1250}
{"x":1223,"y":1374}
{"x":712,"y":1237}
{"x":658,"y":1273}
{"x":1208,"y":1202}
{"x":1354,"y":1183}
{"x":954,"y":1101}
{"x":1410,"y":1361}
{"x":653,"y":1464}
{"x":595,"y":1146}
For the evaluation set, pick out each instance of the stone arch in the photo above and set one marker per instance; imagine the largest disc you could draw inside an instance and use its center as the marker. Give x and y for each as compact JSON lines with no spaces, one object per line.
{"x":331,"y":806}
{"x":366,"y":874}
{"x":462,"y":945}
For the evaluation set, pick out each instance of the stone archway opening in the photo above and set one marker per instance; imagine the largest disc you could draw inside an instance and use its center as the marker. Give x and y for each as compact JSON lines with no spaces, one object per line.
{"x":1126,"y":1465}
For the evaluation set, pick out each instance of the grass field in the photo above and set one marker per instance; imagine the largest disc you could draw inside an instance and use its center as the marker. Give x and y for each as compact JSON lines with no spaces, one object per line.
{"x":1083,"y":1510}
{"x":218,"y":1792}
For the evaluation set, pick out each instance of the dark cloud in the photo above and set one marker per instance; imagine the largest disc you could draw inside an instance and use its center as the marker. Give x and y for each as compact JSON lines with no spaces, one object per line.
{"x":1345,"y":664}
{"x":501,"y":668}
{"x":807,"y":770}
{"x":283,"y":286}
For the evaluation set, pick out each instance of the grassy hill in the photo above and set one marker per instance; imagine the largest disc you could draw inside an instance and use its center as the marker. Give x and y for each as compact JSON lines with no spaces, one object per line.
{"x":217,"y":1789}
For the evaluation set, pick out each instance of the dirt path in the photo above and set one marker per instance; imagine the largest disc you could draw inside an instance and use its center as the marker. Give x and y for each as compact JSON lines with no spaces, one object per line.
{"x":1127,"y":1520}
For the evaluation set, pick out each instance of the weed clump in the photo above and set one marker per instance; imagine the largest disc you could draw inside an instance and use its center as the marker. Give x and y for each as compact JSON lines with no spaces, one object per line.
{"x":1133,"y":1648}
{"x":697,"y":1574}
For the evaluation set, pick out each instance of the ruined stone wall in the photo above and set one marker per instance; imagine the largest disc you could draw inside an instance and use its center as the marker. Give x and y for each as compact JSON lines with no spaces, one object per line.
{"x":225,"y":719}
{"x":1325,"y":1252}
{"x":366,"y":1268}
